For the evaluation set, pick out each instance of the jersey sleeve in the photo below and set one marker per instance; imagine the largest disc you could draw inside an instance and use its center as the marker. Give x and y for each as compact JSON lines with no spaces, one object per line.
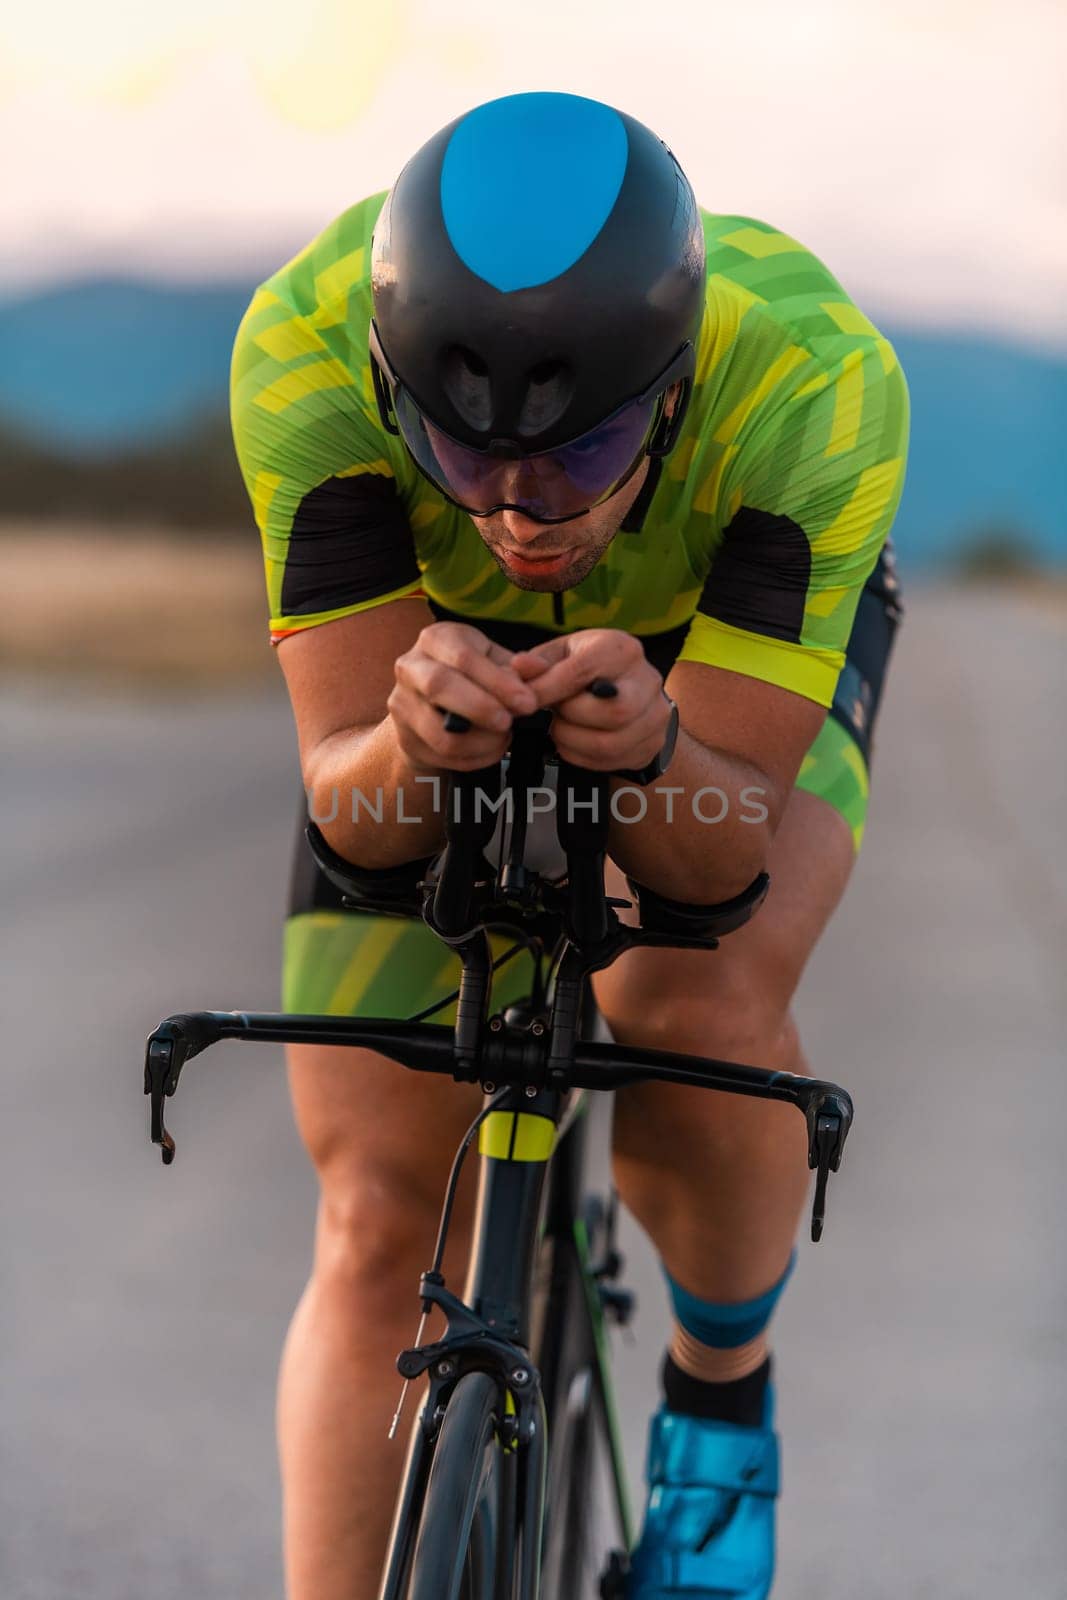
{"x":318,"y":469}
{"x":811,"y":476}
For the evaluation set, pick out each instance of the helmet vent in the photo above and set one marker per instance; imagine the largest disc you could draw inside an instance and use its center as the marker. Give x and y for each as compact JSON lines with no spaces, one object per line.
{"x":466,"y":381}
{"x":549,"y":388}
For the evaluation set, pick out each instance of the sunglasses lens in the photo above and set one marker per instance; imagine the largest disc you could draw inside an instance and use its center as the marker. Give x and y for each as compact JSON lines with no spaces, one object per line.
{"x":552,"y":484}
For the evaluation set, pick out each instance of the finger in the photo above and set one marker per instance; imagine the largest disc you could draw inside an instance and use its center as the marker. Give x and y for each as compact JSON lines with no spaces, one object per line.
{"x":604,"y":653}
{"x":542,"y":655}
{"x":473,"y":655}
{"x":421,"y":729}
{"x":635,"y":705}
{"x":498,"y":654}
{"x":452,"y":690}
{"x":607,"y":746}
{"x":530,"y":666}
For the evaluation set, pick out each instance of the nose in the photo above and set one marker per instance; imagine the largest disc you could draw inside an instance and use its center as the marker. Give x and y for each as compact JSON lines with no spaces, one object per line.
{"x":521,"y":530}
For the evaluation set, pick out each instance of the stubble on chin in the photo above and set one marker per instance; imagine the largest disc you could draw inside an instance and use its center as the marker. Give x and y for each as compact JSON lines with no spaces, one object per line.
{"x":579,"y":569}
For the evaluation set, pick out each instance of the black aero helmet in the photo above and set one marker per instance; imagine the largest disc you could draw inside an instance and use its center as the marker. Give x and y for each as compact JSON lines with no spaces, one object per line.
{"x":537,"y":267}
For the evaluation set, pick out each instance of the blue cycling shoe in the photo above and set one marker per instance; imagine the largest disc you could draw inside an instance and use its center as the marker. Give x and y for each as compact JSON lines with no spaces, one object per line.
{"x":709,"y":1527}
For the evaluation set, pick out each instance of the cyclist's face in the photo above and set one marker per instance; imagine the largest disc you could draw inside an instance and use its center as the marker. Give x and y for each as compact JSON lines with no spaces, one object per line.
{"x":550,"y":558}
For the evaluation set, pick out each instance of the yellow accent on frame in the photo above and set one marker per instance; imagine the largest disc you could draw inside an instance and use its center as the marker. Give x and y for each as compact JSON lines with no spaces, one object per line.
{"x":531,"y":1140}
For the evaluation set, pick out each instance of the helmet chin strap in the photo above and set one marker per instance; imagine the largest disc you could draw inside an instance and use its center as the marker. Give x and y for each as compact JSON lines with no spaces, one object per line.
{"x":634,"y":520}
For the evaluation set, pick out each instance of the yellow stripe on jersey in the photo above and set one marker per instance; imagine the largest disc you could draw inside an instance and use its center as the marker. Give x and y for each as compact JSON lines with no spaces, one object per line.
{"x":311,"y":619}
{"x":729,"y":303}
{"x":264,"y":487}
{"x":333,"y":286}
{"x":848,"y":318}
{"x":294,"y":386}
{"x":810,"y":672}
{"x":848,"y":405}
{"x":380,"y":468}
{"x":261,"y":300}
{"x":284,"y":341}
{"x":772,"y":376}
{"x":868,"y":501}
{"x":754,"y":242}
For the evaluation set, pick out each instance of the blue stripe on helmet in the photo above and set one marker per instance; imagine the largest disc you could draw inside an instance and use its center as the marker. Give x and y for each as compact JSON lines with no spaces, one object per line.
{"x":528,"y":182}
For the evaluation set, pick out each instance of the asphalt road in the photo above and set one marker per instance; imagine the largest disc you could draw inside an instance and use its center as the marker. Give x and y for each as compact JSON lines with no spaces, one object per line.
{"x":921,"y":1352}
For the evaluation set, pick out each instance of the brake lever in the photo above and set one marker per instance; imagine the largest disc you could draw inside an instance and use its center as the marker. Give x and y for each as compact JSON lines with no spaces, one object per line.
{"x":172,"y":1044}
{"x":829,"y":1117}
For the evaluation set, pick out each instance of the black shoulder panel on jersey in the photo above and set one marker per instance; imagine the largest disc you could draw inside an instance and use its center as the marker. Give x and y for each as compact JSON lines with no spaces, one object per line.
{"x":759,"y":578}
{"x":350,"y":542}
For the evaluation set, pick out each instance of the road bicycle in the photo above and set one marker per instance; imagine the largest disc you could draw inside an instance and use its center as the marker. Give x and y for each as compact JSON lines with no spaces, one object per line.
{"x":514,"y":1486}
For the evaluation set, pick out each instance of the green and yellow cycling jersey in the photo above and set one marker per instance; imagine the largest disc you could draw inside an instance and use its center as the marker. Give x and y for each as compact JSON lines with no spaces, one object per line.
{"x":749,"y":553}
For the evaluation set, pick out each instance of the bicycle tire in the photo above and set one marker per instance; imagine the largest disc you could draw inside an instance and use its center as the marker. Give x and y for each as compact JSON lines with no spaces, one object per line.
{"x":588,"y":1514}
{"x":585,"y":1522}
{"x":455,"y":1555}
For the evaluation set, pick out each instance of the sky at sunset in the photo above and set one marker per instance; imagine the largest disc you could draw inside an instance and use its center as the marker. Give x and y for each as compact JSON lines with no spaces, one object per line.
{"x":918,"y":147}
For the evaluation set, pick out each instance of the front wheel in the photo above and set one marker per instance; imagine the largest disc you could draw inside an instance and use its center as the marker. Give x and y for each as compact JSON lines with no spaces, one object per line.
{"x":459,"y":1541}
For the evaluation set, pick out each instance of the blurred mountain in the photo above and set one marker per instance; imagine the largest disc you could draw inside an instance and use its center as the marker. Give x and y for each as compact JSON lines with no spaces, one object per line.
{"x":99,"y":373}
{"x":101,"y":365}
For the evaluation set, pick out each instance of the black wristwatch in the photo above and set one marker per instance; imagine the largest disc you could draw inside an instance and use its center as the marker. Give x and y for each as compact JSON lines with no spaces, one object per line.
{"x":659,"y":763}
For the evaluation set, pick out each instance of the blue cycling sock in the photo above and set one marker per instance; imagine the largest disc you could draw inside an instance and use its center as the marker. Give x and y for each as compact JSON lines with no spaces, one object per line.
{"x":726,"y":1324}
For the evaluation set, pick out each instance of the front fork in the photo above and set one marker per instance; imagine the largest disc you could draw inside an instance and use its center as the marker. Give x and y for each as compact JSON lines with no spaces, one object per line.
{"x":471,"y":1345}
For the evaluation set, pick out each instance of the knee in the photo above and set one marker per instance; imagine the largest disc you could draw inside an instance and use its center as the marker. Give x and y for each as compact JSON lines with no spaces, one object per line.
{"x":729,"y":1003}
{"x":374,"y":1234}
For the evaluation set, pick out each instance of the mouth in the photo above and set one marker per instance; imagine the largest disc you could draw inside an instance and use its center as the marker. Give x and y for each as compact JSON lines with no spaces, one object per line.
{"x":529,"y":562}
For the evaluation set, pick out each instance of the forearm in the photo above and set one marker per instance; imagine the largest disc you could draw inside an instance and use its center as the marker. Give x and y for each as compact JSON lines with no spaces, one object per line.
{"x":707,"y":828}
{"x":373,"y":807}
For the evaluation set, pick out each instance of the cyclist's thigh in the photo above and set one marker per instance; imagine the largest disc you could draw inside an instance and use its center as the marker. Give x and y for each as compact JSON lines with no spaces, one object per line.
{"x":671,"y":998}
{"x":366,"y":1120}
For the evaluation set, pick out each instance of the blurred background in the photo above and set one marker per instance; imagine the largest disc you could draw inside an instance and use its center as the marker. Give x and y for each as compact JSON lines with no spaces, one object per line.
{"x":160,"y":162}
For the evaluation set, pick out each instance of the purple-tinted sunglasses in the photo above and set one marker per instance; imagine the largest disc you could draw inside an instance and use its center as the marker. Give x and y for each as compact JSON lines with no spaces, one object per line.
{"x":550,"y":485}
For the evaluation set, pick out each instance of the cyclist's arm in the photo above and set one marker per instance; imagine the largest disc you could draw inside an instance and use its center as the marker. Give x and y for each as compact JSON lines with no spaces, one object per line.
{"x":366,"y":691}
{"x":339,"y":678}
{"x":740,"y":745}
{"x":812,"y":486}
{"x":702,"y":832}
